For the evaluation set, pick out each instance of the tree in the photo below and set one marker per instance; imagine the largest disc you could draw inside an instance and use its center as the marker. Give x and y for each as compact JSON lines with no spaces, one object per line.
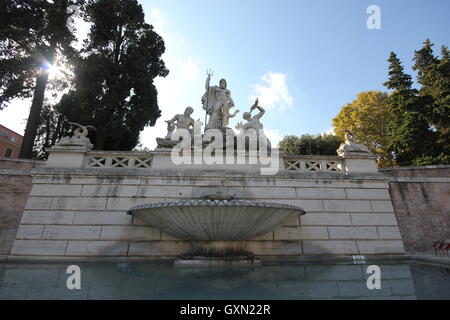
{"x":114,"y":89}
{"x":33,"y":33}
{"x":411,"y":136}
{"x":290,"y":144}
{"x":321,"y":144}
{"x":52,"y":127}
{"x":367,"y":117}
{"x":434,"y":76}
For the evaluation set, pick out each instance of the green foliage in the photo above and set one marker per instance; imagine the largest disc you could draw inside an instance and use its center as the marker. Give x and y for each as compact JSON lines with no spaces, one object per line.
{"x":430,"y":160}
{"x":33,"y":33}
{"x":413,"y":131}
{"x":408,"y":126}
{"x":20,"y":43}
{"x":114,"y":89}
{"x":322,"y":144}
{"x":367,"y":118}
{"x":290,"y":144}
{"x":52,"y":127}
{"x":434,"y":76}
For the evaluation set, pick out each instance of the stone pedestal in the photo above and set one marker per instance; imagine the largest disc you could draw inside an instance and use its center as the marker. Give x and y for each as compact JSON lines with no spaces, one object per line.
{"x":355,"y":163}
{"x":67,"y":156}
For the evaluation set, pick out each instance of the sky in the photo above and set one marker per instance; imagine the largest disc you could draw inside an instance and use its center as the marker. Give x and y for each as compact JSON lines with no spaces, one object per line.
{"x":303,"y":59}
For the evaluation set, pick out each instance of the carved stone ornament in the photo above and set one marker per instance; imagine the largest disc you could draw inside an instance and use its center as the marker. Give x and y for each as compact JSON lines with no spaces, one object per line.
{"x":79,"y":137}
{"x":350,"y":147}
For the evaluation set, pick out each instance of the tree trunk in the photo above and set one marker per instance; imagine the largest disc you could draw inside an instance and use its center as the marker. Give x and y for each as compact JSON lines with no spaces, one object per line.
{"x":26,"y":150}
{"x":33,"y":119}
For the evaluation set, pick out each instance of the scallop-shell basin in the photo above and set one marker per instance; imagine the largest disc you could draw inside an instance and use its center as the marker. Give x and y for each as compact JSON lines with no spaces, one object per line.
{"x":215,"y":220}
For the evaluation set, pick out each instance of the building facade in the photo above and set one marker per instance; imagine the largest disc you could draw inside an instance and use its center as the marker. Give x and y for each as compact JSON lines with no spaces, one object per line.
{"x":10,"y":143}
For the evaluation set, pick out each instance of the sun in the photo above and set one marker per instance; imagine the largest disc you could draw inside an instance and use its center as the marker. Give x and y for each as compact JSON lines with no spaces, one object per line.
{"x":53,"y":71}
{"x":56,"y":70}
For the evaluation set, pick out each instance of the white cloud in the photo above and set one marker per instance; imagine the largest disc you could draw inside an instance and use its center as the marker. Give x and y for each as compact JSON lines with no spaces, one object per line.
{"x":274,"y":93}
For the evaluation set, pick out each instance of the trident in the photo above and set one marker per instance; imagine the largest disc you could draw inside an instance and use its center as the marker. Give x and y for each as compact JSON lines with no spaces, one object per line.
{"x":209,"y":73}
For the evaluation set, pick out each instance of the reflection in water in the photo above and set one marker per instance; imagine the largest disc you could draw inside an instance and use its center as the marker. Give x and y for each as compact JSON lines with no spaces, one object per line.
{"x":439,"y":277}
{"x":138,"y":280}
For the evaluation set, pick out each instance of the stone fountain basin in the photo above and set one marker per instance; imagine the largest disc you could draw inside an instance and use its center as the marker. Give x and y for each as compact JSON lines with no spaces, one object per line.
{"x":215,"y":220}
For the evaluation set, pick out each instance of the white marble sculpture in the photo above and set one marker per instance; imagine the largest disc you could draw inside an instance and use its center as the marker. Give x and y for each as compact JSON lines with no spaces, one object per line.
{"x":350,"y":147}
{"x":181,"y":121}
{"x":254,"y":128}
{"x":79,"y":137}
{"x":217,"y":102}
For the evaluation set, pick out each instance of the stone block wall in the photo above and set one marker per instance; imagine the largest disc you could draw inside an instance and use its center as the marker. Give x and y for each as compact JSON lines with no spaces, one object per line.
{"x":15,"y":185}
{"x":81,"y":213}
{"x":421,"y":199}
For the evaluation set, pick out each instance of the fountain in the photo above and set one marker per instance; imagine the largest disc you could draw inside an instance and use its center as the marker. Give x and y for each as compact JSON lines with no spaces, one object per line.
{"x":206,"y":196}
{"x":217,"y":224}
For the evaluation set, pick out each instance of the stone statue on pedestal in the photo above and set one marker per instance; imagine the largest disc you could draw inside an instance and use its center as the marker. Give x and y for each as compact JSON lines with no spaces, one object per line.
{"x":350,"y":147}
{"x":79,"y":137}
{"x":217,"y":102}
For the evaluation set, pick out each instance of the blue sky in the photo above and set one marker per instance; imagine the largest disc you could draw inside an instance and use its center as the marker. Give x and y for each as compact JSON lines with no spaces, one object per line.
{"x":304,"y":59}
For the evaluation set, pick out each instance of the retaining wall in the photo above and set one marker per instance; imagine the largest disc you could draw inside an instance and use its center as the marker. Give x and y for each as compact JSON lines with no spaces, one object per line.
{"x":81,"y":213}
{"x":15,"y":185}
{"x":421,"y":200}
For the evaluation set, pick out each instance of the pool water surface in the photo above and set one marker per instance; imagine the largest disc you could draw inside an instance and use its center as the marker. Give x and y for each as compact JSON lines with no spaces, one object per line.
{"x":150,"y":280}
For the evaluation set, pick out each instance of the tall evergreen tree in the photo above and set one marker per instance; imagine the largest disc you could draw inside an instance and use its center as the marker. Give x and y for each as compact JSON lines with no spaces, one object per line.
{"x":410,"y":134}
{"x":114,"y":89}
{"x":434,"y":76}
{"x":33,"y":33}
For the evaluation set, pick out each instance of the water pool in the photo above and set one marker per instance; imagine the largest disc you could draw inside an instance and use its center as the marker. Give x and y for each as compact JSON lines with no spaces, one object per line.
{"x":138,"y":280}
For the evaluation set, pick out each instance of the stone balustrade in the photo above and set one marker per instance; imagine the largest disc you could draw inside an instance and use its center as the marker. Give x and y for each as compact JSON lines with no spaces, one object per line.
{"x":314,"y":163}
{"x":79,"y":157}
{"x":118,"y":160}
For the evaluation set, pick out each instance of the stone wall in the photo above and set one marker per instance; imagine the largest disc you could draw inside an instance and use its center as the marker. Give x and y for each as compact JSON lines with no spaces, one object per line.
{"x":81,"y":213}
{"x":15,"y":185}
{"x":421,"y":199}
